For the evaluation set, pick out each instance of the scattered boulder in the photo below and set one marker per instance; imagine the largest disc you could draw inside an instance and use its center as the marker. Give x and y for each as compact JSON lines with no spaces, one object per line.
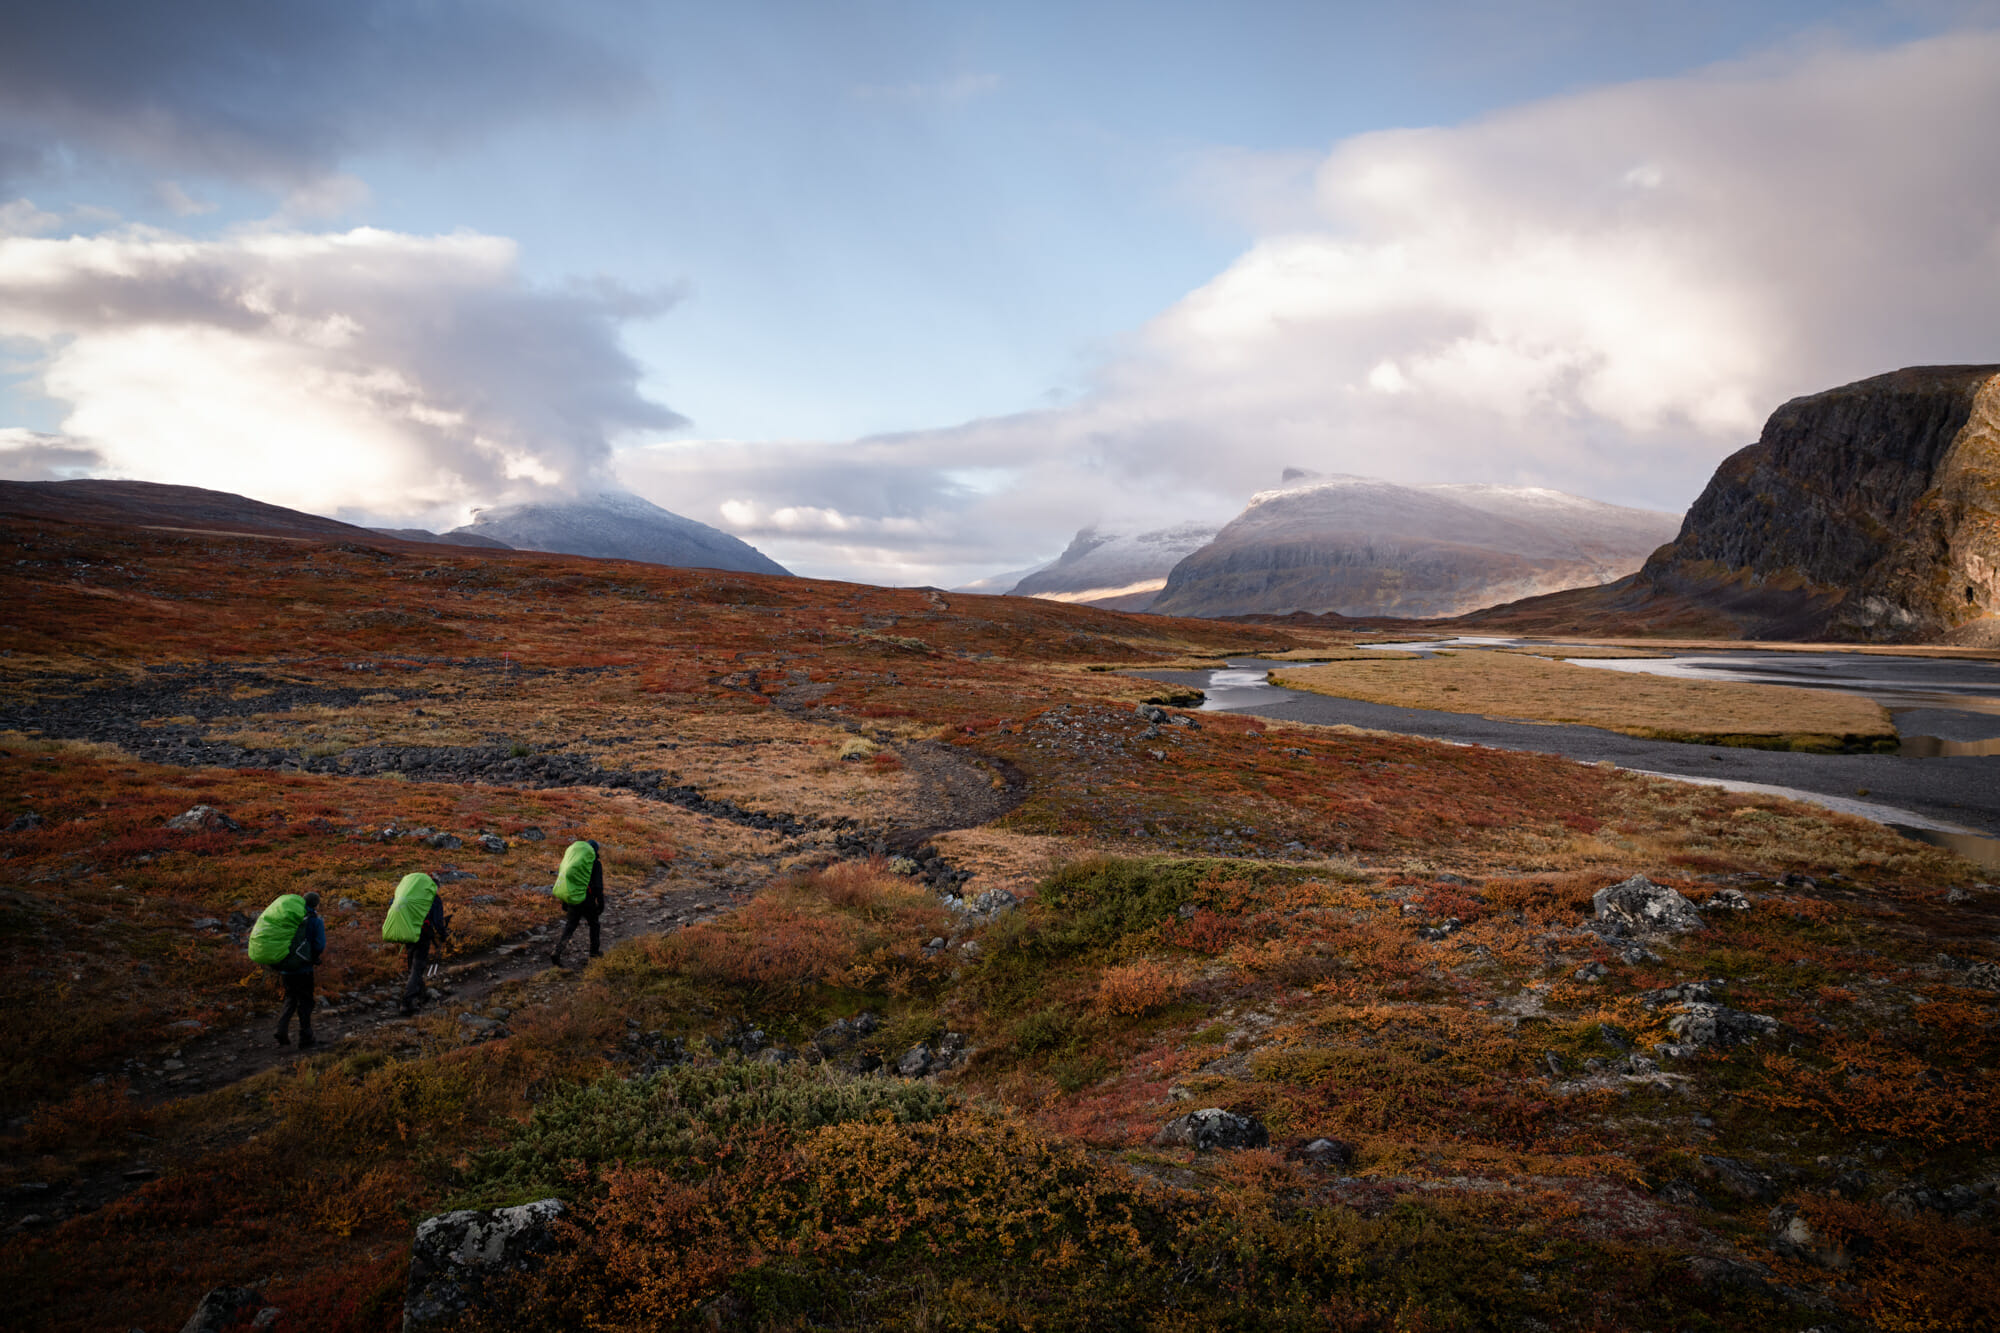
{"x":1681,"y":1193}
{"x":21,"y":823}
{"x":1637,"y":904}
{"x":1212,"y":1128}
{"x":1733,"y":1177}
{"x":843,"y":1033}
{"x":1591,"y":972}
{"x":1328,"y":1152}
{"x":1982,"y":975}
{"x":1727,"y":900}
{"x":457,"y":1254}
{"x":532,"y":835}
{"x":915,"y":1062}
{"x":1152,"y":713}
{"x":204,"y":819}
{"x":221,"y":1308}
{"x":489,"y":842}
{"x":444,"y":842}
{"x":1701,"y":1026}
{"x":1794,"y":1237}
{"x":1960,"y":1203}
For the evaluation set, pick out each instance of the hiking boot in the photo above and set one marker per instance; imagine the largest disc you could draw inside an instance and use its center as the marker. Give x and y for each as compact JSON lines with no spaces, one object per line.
{"x":284,"y":1039}
{"x":596,"y":953}
{"x":555,"y":960}
{"x":409,"y":1010}
{"x":308,"y":1041}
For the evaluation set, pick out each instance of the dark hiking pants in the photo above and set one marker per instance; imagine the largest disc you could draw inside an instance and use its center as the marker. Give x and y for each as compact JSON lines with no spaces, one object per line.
{"x":420,"y":961}
{"x":298,"y":1000}
{"x":576,"y":913}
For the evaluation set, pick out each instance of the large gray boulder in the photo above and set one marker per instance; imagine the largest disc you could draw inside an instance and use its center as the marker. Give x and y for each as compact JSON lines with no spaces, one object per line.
{"x":1643,"y":907}
{"x":1212,"y":1128}
{"x":1701,"y":1026}
{"x":457,"y":1254}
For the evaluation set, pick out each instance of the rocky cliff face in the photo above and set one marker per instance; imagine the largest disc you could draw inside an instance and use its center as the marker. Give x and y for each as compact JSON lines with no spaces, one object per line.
{"x":1358,"y":546}
{"x":1871,"y":511}
{"x":620,"y":526}
{"x":1117,"y":571}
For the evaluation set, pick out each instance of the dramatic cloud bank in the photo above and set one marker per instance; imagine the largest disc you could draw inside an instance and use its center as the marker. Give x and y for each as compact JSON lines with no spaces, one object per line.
{"x":364,"y":371}
{"x":1603,"y":293}
{"x":219,"y":87}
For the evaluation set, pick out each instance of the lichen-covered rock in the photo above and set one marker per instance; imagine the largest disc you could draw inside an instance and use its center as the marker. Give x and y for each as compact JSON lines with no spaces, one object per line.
{"x":204,"y":819}
{"x":1736,"y":1178}
{"x":221,"y":1308}
{"x":1212,"y":1128}
{"x":1638,"y":904}
{"x":1704,"y":1026}
{"x":457,"y":1254}
{"x":1795,"y":1238}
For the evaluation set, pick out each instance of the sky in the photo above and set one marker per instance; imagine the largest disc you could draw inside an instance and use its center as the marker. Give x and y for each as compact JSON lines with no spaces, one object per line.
{"x":908,"y":293}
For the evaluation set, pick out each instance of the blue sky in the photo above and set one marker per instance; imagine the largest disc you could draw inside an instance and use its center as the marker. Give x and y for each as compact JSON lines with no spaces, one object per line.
{"x":908,"y":292}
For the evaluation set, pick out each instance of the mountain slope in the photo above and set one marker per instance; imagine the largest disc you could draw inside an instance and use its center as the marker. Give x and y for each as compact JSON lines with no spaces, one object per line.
{"x":620,"y":526}
{"x":1119,"y":571}
{"x":159,"y":505}
{"x":1360,"y":546}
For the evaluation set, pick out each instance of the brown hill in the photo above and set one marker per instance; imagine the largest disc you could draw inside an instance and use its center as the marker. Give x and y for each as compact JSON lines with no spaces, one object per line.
{"x":150,"y":504}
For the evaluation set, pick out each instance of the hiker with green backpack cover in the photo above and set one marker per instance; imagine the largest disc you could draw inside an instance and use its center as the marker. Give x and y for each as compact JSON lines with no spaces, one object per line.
{"x":416,"y":920}
{"x":289,"y":937}
{"x":579,"y":887}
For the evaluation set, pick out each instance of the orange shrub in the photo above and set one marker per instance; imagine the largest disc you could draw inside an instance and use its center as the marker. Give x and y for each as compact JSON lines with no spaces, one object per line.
{"x":1131,"y":989}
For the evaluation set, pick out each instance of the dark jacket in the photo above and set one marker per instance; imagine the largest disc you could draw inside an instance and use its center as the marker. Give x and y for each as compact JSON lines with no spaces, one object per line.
{"x":593,"y":897}
{"x":435,"y":931}
{"x":315,"y":933}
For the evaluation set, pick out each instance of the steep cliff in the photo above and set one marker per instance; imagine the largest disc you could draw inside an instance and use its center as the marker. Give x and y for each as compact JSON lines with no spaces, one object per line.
{"x":1360,"y":546}
{"x":1870,"y":511}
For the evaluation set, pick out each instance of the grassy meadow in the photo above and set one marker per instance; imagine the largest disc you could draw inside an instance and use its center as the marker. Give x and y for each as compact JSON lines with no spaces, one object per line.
{"x":1369,"y":940}
{"x":1520,"y":686}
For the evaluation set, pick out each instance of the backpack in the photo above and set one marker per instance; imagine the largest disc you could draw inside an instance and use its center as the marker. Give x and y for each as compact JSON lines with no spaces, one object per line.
{"x":572,"y":884}
{"x":279,"y":931}
{"x":414,"y":896}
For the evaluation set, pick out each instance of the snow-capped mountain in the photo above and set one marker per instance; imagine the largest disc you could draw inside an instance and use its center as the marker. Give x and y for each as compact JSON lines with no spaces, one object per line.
{"x":1361,"y":546}
{"x":1119,"y":571}
{"x":621,"y":526}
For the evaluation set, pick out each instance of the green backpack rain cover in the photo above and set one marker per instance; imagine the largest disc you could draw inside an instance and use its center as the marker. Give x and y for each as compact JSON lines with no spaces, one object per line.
{"x":572,"y":884}
{"x":414,"y":896}
{"x":271,"y":937}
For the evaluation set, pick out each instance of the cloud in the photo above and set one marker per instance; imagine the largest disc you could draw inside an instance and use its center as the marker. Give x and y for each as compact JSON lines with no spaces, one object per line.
{"x":27,"y":455}
{"x":281,"y":91}
{"x":366,"y":370}
{"x":1605,"y":292}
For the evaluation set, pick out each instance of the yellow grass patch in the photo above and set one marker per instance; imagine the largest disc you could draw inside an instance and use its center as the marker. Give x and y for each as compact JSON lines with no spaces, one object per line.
{"x":1533,"y":689}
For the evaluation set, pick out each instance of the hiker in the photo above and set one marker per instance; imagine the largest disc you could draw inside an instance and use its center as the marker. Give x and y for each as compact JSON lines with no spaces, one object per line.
{"x":579,"y":887}
{"x":296,"y":972}
{"x":417,"y":921}
{"x":289,"y":938}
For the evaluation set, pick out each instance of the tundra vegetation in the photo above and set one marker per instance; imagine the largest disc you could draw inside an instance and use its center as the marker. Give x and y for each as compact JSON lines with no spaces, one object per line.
{"x":1536,"y":689}
{"x":1377,"y":947}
